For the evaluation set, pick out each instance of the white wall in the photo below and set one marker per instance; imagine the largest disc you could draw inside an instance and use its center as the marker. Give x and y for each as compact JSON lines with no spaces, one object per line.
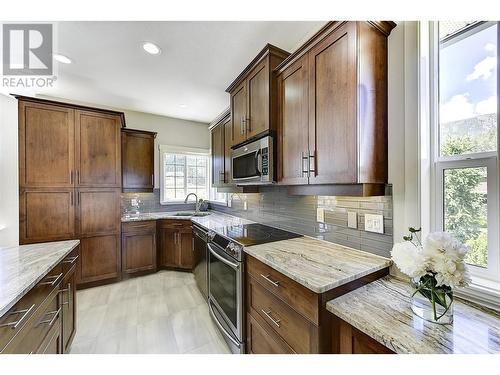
{"x":403,"y":126}
{"x":9,"y":193}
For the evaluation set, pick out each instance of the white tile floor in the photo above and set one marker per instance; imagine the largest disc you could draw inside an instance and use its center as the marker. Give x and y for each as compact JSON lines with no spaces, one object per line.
{"x":159,"y":313}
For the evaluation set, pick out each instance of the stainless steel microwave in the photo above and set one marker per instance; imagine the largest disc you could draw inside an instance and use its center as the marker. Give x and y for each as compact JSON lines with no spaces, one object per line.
{"x":252,"y":164}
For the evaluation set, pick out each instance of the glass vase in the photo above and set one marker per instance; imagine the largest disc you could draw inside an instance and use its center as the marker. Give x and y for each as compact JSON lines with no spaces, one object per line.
{"x":432,"y":303}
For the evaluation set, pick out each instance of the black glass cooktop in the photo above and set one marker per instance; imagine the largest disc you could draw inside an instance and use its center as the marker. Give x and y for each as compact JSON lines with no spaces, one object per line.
{"x":256,"y":234}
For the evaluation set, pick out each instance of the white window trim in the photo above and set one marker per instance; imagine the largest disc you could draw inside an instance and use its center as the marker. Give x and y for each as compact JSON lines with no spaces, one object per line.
{"x":485,"y":286}
{"x":162,"y":149}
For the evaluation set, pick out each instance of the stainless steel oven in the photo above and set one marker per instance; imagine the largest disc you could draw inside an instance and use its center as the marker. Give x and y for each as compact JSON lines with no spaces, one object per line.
{"x":253,"y":163}
{"x":225,"y":289}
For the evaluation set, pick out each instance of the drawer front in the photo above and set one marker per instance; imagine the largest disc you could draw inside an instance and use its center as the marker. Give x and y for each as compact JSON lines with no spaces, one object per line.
{"x":288,"y":324}
{"x":173,"y":223}
{"x":301,"y":299}
{"x":37,"y":328}
{"x":260,"y":341}
{"x":12,"y":323}
{"x":139,"y":226}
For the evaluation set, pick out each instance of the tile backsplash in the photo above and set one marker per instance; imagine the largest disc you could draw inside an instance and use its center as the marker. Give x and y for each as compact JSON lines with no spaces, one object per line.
{"x":273,"y":206}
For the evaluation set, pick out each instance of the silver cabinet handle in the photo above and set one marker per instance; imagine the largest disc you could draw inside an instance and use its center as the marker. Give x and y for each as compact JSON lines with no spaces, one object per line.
{"x":266,"y":277}
{"x":71,"y":177}
{"x":268,"y":315}
{"x":153,"y":180}
{"x":17,"y":323}
{"x":242,"y":125}
{"x":54,"y":281}
{"x":313,"y":159}
{"x":247,"y":124}
{"x":52,"y":320}
{"x":68,"y":290}
{"x":305,"y":170}
{"x":71,"y":197}
{"x":70,"y":260}
{"x":78,"y":175}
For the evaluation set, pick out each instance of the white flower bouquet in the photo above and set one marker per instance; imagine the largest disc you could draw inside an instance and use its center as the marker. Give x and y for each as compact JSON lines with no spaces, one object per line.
{"x":436,"y":268}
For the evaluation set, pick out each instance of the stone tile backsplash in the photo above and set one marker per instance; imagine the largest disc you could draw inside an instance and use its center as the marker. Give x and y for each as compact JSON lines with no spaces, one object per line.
{"x":273,"y":206}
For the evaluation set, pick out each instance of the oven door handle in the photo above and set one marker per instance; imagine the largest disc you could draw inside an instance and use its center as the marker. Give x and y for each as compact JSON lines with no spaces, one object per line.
{"x":223,"y":330}
{"x":222,"y":259}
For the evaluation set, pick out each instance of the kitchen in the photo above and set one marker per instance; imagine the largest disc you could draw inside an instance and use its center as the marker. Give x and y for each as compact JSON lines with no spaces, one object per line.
{"x":323,"y":189}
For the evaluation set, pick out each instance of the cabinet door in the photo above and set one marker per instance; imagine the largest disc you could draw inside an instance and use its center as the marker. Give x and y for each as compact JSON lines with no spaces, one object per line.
{"x":218,"y":155}
{"x":186,"y":248}
{"x":98,"y":147}
{"x":261,"y":341}
{"x":68,"y":313}
{"x":98,"y":211}
{"x":238,"y":114}
{"x":99,"y":258}
{"x":168,"y":249}
{"x":227,"y":152}
{"x":332,"y":108}
{"x":138,"y":252}
{"x":137,"y":161}
{"x":46,"y":214}
{"x":293,"y":124}
{"x":46,"y":145}
{"x":257,"y":119}
{"x":52,"y":344}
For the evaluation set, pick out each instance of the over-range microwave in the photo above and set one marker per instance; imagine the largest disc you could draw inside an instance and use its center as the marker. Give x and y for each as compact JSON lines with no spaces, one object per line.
{"x":252,"y":164}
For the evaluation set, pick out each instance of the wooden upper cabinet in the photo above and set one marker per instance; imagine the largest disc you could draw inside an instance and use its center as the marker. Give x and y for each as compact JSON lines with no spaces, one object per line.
{"x":293,"y":130}
{"x":332,"y":104}
{"x":98,"y":155}
{"x":334,"y":87}
{"x":253,"y":106}
{"x":227,"y":152}
{"x":238,"y":114}
{"x":46,"y":145}
{"x":137,"y":160}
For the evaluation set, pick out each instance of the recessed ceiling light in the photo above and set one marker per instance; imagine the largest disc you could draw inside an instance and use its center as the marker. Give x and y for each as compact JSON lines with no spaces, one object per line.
{"x":183,"y":105}
{"x":151,"y":48}
{"x":62,"y":59}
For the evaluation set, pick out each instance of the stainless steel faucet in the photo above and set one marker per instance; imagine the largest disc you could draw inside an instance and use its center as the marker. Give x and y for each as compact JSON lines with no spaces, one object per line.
{"x":197,"y":202}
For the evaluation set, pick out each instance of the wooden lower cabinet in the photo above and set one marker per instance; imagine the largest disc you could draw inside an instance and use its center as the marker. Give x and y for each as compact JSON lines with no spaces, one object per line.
{"x":175,"y":244}
{"x":99,"y":259}
{"x":264,"y":341}
{"x":353,"y":341}
{"x":138,"y":247}
{"x":45,"y":316}
{"x":286,"y":317}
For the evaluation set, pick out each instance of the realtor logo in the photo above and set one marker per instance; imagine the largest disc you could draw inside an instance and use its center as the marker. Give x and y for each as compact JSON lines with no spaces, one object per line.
{"x":27,"y":49}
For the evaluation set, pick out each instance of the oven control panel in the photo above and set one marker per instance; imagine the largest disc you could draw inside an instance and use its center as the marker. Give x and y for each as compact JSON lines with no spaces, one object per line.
{"x":265,"y":161}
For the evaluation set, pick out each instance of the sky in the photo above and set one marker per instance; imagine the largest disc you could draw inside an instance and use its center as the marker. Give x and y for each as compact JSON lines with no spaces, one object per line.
{"x":468,"y":77}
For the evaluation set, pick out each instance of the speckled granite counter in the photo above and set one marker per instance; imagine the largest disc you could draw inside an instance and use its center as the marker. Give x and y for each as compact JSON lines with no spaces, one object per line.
{"x":382,"y":311}
{"x":318,"y":265}
{"x":21,"y":267}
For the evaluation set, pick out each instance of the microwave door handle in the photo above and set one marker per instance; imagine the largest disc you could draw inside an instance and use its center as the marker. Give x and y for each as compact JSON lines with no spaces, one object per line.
{"x":258,"y":162}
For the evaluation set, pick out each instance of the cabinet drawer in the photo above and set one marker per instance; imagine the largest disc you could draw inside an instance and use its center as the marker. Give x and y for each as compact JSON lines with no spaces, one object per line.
{"x":36,"y":329}
{"x":14,"y":321}
{"x":300,"y":298}
{"x":70,"y":260}
{"x":288,"y":324}
{"x":173,"y":223}
{"x":139,"y":226}
{"x":262,"y":341}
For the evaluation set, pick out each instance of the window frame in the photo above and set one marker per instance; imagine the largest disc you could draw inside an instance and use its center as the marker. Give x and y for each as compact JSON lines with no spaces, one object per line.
{"x":163,"y":149}
{"x":485,"y":281}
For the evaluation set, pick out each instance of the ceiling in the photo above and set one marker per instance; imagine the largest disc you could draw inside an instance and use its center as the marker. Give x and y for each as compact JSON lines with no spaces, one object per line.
{"x":187,"y":80}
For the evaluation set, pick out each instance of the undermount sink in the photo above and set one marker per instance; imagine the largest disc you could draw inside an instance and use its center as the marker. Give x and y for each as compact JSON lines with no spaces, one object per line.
{"x":191,"y":213}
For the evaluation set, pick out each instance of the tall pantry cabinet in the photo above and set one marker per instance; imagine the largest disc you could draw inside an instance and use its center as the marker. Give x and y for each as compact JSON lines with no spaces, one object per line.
{"x":70,"y":182}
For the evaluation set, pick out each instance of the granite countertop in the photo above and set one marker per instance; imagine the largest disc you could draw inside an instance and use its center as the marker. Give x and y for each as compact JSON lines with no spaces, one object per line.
{"x":22,"y":267}
{"x":381,"y":310}
{"x":318,"y":265}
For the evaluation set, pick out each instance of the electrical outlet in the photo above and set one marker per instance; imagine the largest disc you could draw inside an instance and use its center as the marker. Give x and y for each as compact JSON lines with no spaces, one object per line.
{"x":320,"y":215}
{"x":374,"y":223}
{"x":352,"y":219}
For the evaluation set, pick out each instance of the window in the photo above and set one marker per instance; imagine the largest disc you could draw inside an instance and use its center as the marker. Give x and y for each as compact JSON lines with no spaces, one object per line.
{"x":183,"y":171}
{"x":465,"y":157}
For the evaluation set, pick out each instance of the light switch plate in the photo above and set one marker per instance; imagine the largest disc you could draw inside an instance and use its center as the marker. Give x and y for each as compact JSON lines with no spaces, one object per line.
{"x":320,"y":215}
{"x":374,"y":223}
{"x":352,"y":219}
